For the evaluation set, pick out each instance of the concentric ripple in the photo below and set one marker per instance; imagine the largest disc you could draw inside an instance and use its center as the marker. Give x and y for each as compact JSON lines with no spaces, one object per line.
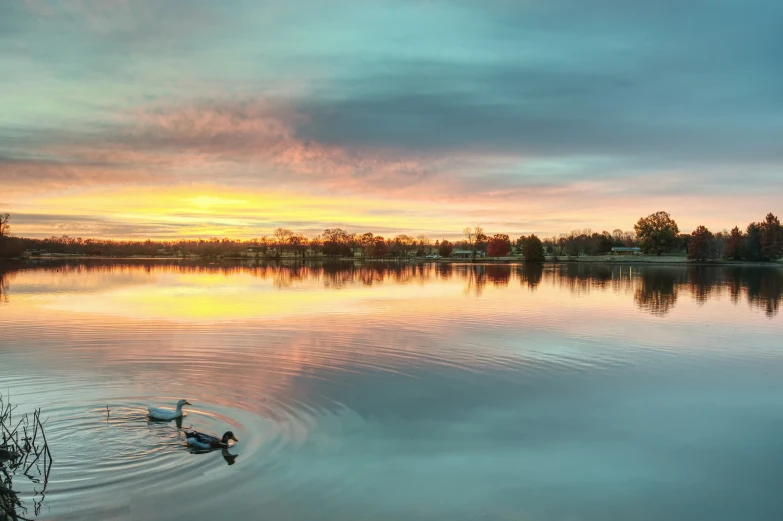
{"x":423,"y":393}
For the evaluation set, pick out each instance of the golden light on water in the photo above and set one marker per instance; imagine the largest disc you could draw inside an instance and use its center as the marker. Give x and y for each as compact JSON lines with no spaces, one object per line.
{"x":206,"y":294}
{"x":183,"y":297}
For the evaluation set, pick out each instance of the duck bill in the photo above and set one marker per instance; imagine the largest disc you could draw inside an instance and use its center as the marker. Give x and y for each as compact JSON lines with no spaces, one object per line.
{"x":235,"y":439}
{"x":188,"y":403}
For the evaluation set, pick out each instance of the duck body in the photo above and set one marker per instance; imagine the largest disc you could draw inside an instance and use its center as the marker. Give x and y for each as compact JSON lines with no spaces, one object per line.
{"x":199,"y":440}
{"x":160,"y":413}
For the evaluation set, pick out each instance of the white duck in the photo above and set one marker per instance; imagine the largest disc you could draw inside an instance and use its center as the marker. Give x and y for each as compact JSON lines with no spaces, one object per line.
{"x":159,"y":413}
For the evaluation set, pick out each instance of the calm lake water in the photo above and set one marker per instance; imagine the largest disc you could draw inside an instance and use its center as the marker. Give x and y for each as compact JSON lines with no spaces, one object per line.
{"x":488,"y":392}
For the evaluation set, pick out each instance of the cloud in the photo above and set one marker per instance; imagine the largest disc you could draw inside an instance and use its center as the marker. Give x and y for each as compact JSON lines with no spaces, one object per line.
{"x":224,"y":138}
{"x":495,"y":106}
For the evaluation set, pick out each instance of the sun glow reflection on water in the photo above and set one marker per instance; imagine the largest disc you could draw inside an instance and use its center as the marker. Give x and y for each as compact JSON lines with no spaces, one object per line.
{"x":415,"y":392}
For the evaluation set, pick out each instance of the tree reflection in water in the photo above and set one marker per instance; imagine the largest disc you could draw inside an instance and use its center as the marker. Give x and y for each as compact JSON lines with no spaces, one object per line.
{"x":654,"y":289}
{"x":763,"y":287}
{"x":530,"y":274}
{"x":499,"y":274}
{"x":657,"y":291}
{"x":7,"y":270}
{"x":3,"y":288}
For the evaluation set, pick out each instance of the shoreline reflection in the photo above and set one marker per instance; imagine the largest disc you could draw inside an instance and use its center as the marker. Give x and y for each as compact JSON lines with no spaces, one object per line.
{"x":653,"y":289}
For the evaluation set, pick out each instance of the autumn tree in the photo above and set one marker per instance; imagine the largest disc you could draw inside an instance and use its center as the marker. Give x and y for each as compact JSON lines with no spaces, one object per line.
{"x":605,"y":243}
{"x":720,"y":243}
{"x":499,"y":245}
{"x":658,"y":233}
{"x":702,"y":244}
{"x":533,"y":249}
{"x":771,"y":238}
{"x":753,"y":249}
{"x":519,"y":243}
{"x":445,"y":248}
{"x":735,"y":244}
{"x":684,"y":240}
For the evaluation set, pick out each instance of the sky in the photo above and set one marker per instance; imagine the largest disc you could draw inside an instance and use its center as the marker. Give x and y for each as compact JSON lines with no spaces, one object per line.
{"x":162,"y":119}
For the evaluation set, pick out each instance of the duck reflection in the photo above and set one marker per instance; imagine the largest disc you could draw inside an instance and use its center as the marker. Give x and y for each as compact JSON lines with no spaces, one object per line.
{"x":155,"y":421}
{"x":230,"y":458}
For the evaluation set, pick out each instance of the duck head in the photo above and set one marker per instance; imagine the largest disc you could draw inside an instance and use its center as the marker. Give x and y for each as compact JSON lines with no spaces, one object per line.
{"x":182,"y":402}
{"x":228,"y":436}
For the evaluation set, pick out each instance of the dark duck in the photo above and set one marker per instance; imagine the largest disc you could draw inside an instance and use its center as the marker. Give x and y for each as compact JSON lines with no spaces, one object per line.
{"x":199,"y":440}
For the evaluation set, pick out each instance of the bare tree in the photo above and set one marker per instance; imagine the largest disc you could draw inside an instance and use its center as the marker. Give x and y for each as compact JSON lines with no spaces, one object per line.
{"x":282,"y":239}
{"x":5,"y":231}
{"x":5,"y":228}
{"x":425,"y":244}
{"x":473,"y":236}
{"x":366,"y":242}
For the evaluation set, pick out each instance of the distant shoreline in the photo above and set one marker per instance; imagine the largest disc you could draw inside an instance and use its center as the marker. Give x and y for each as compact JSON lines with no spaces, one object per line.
{"x":595,"y":259}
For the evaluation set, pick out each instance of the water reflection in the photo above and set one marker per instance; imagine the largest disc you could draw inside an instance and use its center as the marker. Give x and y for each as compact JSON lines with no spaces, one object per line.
{"x":654,"y":289}
{"x":530,"y":274}
{"x":229,"y":458}
{"x":499,"y":274}
{"x":763,"y":289}
{"x":402,"y":391}
{"x":658,"y":290}
{"x":7,"y":269}
{"x":155,"y":421}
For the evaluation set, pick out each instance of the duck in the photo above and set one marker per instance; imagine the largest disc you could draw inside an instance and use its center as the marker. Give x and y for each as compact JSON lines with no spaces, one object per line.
{"x":199,"y":440}
{"x":159,"y":413}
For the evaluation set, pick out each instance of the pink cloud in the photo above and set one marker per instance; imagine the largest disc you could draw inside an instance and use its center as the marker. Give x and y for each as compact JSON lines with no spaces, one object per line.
{"x":255,"y":144}
{"x":27,"y":177}
{"x":236,"y":138}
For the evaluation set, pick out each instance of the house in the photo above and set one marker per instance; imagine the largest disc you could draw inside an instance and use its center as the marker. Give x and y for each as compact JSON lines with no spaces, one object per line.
{"x":624,"y":250}
{"x":466,"y":254}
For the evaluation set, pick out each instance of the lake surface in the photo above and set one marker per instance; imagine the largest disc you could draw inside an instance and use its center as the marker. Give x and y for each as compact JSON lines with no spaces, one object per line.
{"x":488,"y":392}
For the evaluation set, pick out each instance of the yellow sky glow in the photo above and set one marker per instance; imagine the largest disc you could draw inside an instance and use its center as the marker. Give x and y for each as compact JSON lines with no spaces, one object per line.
{"x":207,"y":211}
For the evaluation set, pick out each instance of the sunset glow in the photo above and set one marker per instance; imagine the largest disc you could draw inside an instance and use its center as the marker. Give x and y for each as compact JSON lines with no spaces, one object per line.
{"x":139,"y":119}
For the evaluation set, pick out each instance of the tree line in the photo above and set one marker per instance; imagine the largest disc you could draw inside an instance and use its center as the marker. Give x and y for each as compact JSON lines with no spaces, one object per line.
{"x":656,"y":234}
{"x":762,"y":241}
